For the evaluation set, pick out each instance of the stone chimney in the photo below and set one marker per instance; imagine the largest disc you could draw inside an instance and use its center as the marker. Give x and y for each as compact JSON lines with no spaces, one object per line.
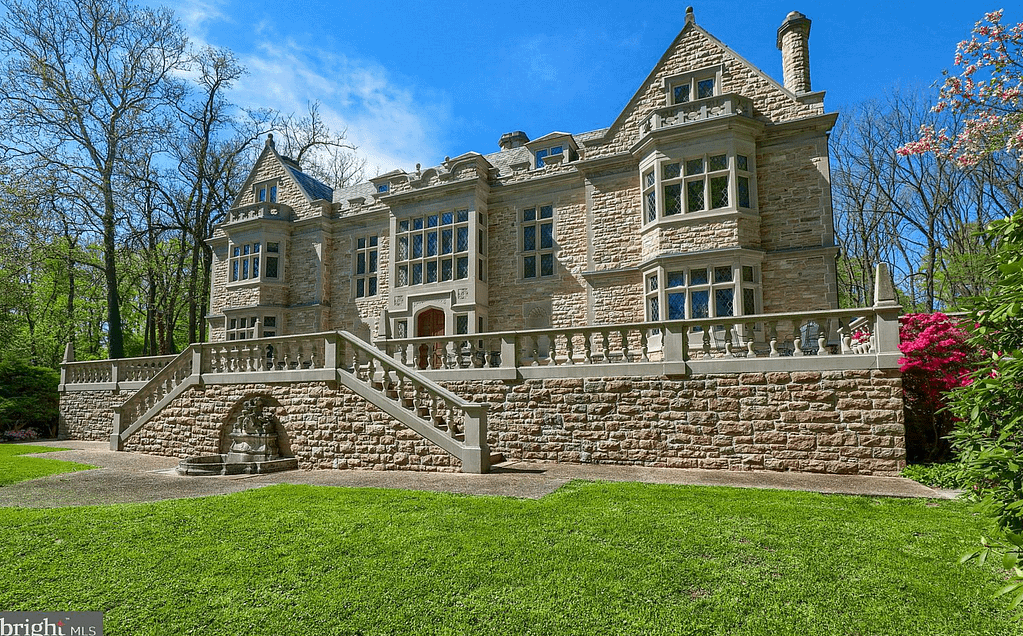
{"x":794,"y":44}
{"x":513,"y":140}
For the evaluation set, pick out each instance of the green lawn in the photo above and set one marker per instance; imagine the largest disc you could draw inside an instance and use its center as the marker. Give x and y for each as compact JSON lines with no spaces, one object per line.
{"x":592,"y":558}
{"x":14,"y":467}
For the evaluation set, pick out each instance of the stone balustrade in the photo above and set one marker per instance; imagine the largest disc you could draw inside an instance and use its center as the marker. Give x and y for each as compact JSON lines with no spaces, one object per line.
{"x":130,"y":373}
{"x":259,"y":211}
{"x":697,"y":110}
{"x":840,"y":332}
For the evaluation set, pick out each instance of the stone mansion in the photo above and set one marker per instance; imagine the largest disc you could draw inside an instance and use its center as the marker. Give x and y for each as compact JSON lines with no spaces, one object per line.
{"x":660,"y":292}
{"x":708,"y":196}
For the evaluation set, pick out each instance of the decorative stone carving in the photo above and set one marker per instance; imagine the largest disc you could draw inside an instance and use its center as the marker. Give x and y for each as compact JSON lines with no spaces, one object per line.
{"x":253,"y":434}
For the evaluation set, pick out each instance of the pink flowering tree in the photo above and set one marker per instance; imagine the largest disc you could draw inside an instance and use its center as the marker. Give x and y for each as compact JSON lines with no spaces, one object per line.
{"x":986,"y":91}
{"x":936,"y":359}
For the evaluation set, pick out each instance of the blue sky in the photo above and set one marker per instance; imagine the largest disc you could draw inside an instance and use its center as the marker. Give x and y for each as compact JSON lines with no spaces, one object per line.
{"x":413,"y":82}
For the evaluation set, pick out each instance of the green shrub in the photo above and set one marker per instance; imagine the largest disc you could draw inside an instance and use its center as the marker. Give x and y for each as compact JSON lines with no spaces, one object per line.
{"x":948,"y":475}
{"x":28,"y":399}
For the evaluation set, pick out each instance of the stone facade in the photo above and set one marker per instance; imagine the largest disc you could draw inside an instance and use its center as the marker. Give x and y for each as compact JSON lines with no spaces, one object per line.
{"x":712,"y":164}
{"x":89,"y":415}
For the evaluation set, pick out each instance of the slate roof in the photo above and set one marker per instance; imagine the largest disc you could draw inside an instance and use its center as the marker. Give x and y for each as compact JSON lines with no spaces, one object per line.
{"x":312,"y":187}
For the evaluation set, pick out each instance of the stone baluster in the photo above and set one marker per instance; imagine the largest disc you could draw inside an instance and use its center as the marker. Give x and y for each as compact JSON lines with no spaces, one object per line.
{"x":728,"y":339}
{"x":706,"y":339}
{"x":772,"y":330}
{"x":588,"y":347}
{"x":624,"y":335}
{"x":605,"y":345}
{"x":370,"y":370}
{"x":823,"y":329}
{"x":750,"y":331}
{"x":797,"y":336}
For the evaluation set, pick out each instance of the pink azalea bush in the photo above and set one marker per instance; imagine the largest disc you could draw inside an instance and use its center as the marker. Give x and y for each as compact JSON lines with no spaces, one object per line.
{"x":936,"y":359}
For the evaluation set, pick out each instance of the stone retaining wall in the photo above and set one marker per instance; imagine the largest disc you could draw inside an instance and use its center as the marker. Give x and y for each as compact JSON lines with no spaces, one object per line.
{"x":837,"y":422}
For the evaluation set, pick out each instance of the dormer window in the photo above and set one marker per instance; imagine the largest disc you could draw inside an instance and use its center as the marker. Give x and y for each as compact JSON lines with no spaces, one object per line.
{"x":383,"y":188}
{"x":546,"y":152}
{"x":266,"y":192}
{"x":696,"y":85}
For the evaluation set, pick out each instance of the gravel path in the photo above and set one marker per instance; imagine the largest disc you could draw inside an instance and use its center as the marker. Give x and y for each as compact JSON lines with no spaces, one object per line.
{"x":133,"y":477}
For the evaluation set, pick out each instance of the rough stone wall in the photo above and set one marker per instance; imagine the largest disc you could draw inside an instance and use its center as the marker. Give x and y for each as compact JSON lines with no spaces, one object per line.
{"x":799,"y":282}
{"x":618,"y":301}
{"x":358,"y":315}
{"x":89,"y":415}
{"x":566,"y":290}
{"x":695,"y":237}
{"x":691,"y":51}
{"x":837,"y":422}
{"x":616,"y":218}
{"x":325,"y":428}
{"x":793,"y":193}
{"x":288,"y":191}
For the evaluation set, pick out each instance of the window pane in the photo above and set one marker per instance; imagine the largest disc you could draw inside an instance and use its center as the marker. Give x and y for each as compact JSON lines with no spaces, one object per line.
{"x":360,"y":263}
{"x":417,"y":224}
{"x":462,"y":267}
{"x":698,"y":304}
{"x":262,"y":195}
{"x":245,"y":269}
{"x":718,"y":162}
{"x":546,"y":211}
{"x":463,"y":240}
{"x":705,"y":88}
{"x":255,"y":248}
{"x":431,"y":221}
{"x":546,"y":236}
{"x":529,"y":267}
{"x":648,"y":179}
{"x":360,"y":243}
{"x":652,"y":283}
{"x":744,"y":192}
{"x":697,"y":277}
{"x":402,"y":275}
{"x":360,"y":287}
{"x":462,"y":324}
{"x":234,"y":270}
{"x":676,"y":279}
{"x":749,"y":303}
{"x":273,"y":194}
{"x":445,"y":269}
{"x":403,"y":225}
{"x":431,"y":271}
{"x":446,"y":237}
{"x":557,"y":150}
{"x":270,"y":321}
{"x":431,"y":243}
{"x":651,"y":205}
{"x":742,"y":162}
{"x":273,"y":247}
{"x":681,"y":93}
{"x":722,"y":274}
{"x":373,"y":241}
{"x":417,"y":274}
{"x":271,"y":267}
{"x":540,"y":154}
{"x":255,"y":267}
{"x":373,"y":261}
{"x":547,"y":264}
{"x":481,"y":244}
{"x":529,"y":214}
{"x":233,"y":324}
{"x":237,"y":251}
{"x":719,"y":192}
{"x":723,"y":302}
{"x":747,"y":274}
{"x":529,"y":238}
{"x":694,"y":196}
{"x":462,"y":216}
{"x":694,"y":166}
{"x":481,"y":275}
{"x":677,"y":306}
{"x":402,"y":248}
{"x":671,"y":170}
{"x":417,"y":246}
{"x":245,"y":249}
{"x":673,"y":199}
{"x":401,"y":329}
{"x":655,"y":309}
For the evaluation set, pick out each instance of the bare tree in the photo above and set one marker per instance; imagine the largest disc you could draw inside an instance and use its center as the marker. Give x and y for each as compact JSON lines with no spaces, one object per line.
{"x":326,"y":155}
{"x":84,"y":86}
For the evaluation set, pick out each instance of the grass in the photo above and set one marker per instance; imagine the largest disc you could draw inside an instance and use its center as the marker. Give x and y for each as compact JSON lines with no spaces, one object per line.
{"x":14,"y":467}
{"x":592,"y":558}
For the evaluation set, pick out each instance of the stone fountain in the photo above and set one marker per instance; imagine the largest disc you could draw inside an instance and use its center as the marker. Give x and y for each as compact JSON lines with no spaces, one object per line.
{"x":251,"y":445}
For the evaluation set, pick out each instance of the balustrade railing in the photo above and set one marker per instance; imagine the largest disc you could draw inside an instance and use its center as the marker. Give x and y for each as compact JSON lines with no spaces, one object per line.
{"x":282,"y":353}
{"x":698,"y":110}
{"x":259,"y":211}
{"x":820,"y":333}
{"x":113,"y":371}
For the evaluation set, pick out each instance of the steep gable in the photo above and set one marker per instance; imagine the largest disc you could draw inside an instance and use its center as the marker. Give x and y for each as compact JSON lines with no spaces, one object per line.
{"x":294,"y":187}
{"x":695,"y":49}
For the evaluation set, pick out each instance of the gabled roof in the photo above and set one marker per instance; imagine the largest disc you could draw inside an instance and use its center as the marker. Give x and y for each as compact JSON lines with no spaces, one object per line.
{"x":312,"y":189}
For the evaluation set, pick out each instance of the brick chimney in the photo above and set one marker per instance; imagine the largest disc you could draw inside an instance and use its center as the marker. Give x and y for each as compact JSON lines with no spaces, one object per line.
{"x":794,"y":44}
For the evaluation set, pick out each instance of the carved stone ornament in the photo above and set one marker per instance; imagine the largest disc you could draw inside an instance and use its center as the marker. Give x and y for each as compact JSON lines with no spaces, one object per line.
{"x":253,"y":433}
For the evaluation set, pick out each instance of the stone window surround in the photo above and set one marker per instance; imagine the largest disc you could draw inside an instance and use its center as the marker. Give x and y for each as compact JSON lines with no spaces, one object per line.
{"x":404,"y":273}
{"x":729,"y":145}
{"x":691,"y":80}
{"x":248,"y":315}
{"x":739,"y":282}
{"x":262,"y":239}
{"x":370,"y":251}
{"x":521,"y":254}
{"x":540,"y":150}
{"x":266,"y":191}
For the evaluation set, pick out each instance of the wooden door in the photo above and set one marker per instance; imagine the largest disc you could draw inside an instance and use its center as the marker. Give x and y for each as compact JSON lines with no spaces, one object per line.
{"x":430,"y":324}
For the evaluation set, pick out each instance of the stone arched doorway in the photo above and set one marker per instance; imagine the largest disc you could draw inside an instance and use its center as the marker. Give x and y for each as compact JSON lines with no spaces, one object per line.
{"x":429,"y":324}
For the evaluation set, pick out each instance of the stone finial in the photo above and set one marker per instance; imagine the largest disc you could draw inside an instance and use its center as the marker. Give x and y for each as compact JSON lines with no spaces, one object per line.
{"x":884,"y":288}
{"x":794,"y":44}
{"x":690,"y":16}
{"x":383,"y":325}
{"x":270,"y":140}
{"x":69,"y":352}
